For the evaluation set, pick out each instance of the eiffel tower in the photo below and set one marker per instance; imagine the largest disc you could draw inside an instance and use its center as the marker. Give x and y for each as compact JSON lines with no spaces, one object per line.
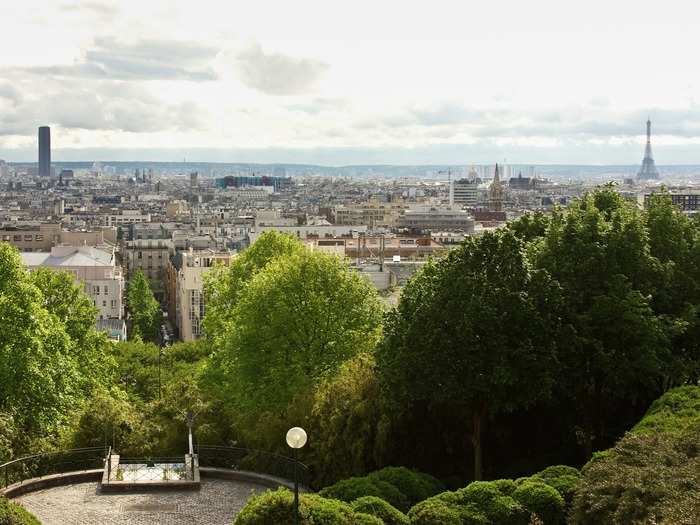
{"x":648,"y":170}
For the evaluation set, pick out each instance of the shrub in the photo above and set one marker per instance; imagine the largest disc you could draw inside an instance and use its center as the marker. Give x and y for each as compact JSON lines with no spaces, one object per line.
{"x":643,"y":478}
{"x":367,"y":519}
{"x":416,"y":487}
{"x":277,"y":507}
{"x":438,"y":510}
{"x":381,"y":509}
{"x":350,"y":489}
{"x":675,"y":411}
{"x":565,"y":486}
{"x":541,"y":499}
{"x":505,"y":486}
{"x":557,"y":471}
{"x":485,"y":497}
{"x":14,"y":514}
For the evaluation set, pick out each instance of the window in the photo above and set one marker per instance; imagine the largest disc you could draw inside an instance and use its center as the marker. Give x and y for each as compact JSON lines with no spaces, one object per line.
{"x":104,"y":304}
{"x":106,"y":290}
{"x":17,"y":238}
{"x":113,"y":304}
{"x":29,"y":238}
{"x":39,"y":237}
{"x":5,"y":237}
{"x":96,"y":290}
{"x":140,"y":255}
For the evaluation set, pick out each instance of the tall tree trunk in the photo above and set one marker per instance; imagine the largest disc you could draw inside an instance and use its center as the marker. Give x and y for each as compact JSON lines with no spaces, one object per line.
{"x":477,"y":420}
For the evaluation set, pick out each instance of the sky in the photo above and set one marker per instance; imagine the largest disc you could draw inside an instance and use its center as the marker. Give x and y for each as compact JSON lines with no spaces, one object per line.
{"x":360,"y":82}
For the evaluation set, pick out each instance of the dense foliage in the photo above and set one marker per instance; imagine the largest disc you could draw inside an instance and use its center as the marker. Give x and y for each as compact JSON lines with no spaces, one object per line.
{"x":283,"y":335}
{"x":473,"y":332}
{"x":652,"y":475}
{"x":14,"y":514}
{"x":51,"y":357}
{"x":144,"y":309}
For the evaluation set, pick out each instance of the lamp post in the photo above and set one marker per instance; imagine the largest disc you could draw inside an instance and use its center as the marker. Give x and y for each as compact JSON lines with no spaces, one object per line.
{"x":296,"y":439}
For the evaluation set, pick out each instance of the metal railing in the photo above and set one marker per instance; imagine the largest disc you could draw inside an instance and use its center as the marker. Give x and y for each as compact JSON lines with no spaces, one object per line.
{"x":257,"y":461}
{"x":40,"y":465}
{"x":152,"y":469}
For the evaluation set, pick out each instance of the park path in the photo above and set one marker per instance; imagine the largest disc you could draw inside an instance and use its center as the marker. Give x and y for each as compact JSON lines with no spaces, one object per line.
{"x":216,"y":503}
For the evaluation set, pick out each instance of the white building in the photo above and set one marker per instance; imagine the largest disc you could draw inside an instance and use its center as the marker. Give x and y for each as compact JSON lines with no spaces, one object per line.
{"x":95,"y":268}
{"x":185,"y":284}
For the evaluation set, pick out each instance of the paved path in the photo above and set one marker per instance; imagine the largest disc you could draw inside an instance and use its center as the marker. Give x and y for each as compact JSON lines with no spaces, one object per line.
{"x":215,"y":504}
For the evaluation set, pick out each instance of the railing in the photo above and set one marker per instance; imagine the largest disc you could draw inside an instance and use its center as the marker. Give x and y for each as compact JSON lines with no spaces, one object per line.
{"x":136,"y":470}
{"x":40,"y":465}
{"x":257,"y":461}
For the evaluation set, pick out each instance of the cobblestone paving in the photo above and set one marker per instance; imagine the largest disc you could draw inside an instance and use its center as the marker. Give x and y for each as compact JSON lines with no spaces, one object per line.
{"x":216,"y":503}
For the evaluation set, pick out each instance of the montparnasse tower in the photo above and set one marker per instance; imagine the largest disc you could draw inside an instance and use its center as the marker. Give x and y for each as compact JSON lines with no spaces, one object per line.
{"x":648,"y":170}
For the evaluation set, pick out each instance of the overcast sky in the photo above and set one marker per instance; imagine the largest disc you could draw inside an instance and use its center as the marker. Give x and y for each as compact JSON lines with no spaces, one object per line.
{"x":539,"y":81}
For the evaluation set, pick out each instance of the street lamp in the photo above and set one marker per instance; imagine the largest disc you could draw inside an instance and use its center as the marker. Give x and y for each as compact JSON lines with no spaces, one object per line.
{"x":296,"y":438}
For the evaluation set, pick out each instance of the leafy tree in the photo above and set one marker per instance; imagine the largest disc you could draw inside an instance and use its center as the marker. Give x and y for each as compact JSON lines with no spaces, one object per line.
{"x":614,"y":346}
{"x":674,"y":240}
{"x":294,"y":323}
{"x":224,"y":285}
{"x":144,"y":308}
{"x":348,"y":423}
{"x":473,"y":332}
{"x":44,"y":373}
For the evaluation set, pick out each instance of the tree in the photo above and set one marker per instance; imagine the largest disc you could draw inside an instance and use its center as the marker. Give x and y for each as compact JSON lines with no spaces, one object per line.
{"x":474,"y":332}
{"x":144,"y":308}
{"x":674,"y":240}
{"x":223,"y":285}
{"x":614,"y":346}
{"x":44,"y":373}
{"x":294,"y":323}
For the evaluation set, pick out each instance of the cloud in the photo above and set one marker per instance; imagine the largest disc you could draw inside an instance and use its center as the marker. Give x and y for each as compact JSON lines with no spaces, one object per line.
{"x":147,"y":59}
{"x":111,"y":106}
{"x":102,"y":10}
{"x":278,"y":74}
{"x":9,"y":92}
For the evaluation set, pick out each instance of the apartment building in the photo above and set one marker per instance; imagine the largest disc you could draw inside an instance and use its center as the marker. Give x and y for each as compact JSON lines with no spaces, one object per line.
{"x":42,"y":237}
{"x":95,"y":268}
{"x":185,"y":284}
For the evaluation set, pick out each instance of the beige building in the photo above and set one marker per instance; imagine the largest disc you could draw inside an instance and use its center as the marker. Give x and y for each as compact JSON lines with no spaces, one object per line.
{"x":152,"y":257}
{"x":185,"y":284}
{"x":43,"y":237}
{"x":373,"y":214}
{"x":95,"y":268}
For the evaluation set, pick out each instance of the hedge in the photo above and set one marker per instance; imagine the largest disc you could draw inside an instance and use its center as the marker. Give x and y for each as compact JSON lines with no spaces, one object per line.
{"x":277,"y":506}
{"x":350,"y":489}
{"x":444,"y":510}
{"x":14,"y":514}
{"x":414,"y":485}
{"x":543,"y":500}
{"x":381,"y":509}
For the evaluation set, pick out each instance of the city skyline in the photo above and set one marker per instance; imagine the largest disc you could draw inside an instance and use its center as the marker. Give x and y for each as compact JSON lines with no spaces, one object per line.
{"x":314,"y":84}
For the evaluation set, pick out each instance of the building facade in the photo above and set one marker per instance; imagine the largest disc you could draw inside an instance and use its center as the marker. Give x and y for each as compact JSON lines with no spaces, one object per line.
{"x":185,"y":285}
{"x":95,"y":268}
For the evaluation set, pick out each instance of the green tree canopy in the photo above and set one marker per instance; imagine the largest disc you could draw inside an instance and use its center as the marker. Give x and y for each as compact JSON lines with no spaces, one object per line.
{"x":294,"y":324}
{"x":44,"y":372}
{"x":144,"y":308}
{"x":224,"y":285}
{"x":614,"y":346}
{"x":473,"y":331}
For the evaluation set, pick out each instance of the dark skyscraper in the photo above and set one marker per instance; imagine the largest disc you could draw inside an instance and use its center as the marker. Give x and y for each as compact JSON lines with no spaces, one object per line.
{"x":44,"y":151}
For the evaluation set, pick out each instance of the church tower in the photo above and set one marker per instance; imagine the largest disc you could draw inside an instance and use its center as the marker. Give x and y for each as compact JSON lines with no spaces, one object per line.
{"x":496,"y":193}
